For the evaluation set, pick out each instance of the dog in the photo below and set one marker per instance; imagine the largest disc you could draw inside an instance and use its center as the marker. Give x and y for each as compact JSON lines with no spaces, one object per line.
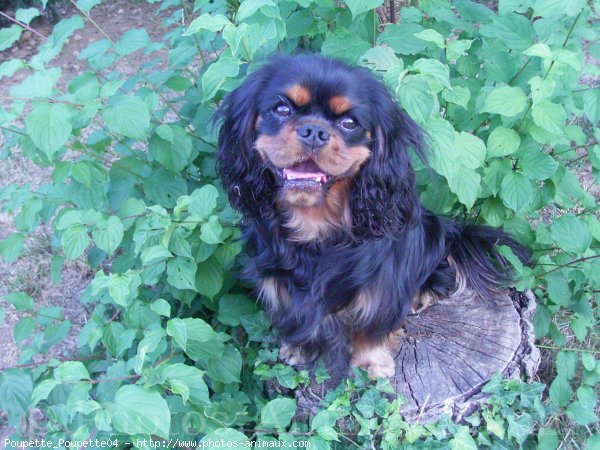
{"x":314,"y":154}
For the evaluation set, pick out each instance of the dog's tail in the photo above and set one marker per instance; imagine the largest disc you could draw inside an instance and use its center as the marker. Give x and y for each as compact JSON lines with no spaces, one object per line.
{"x":474,"y":253}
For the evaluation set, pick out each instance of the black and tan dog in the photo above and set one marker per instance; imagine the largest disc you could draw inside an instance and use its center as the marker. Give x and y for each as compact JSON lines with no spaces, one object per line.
{"x":313,"y":153}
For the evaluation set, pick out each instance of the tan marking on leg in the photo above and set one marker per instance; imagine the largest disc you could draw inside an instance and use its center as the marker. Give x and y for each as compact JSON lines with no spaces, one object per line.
{"x":291,"y":355}
{"x":376,"y":358}
{"x":299,"y":95}
{"x":422,"y":301}
{"x":273,"y":294}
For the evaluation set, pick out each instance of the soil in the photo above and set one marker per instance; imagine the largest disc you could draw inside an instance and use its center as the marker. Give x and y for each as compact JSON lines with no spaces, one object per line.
{"x":31,"y":272}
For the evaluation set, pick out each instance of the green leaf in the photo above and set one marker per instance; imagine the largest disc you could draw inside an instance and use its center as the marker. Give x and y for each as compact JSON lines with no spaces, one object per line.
{"x":471,"y":149}
{"x":430,"y":35}
{"x":514,"y":30}
{"x":123,"y":288}
{"x":128,"y":116}
{"x":9,"y":35}
{"x":371,"y":403}
{"x":176,"y":328}
{"x":181,"y":273}
{"x":560,"y":391}
{"x":459,"y":95}
{"x":49,"y":126}
{"x":74,"y":241}
{"x":541,"y":89}
{"x":132,"y":40}
{"x":136,"y":410}
{"x":26,"y":15}
{"x":465,"y":184}
{"x":249,"y":7}
{"x":344,"y":45}
{"x":416,"y":97}
{"x":538,"y":166}
{"x":154,"y":254}
{"x":108,"y":234}
{"x":211,"y":231}
{"x":23,"y":329}
{"x":566,"y":364}
{"x":582,"y":410}
{"x":547,"y":439}
{"x":21,"y":301}
{"x":570,"y":233}
{"x":209,"y":278}
{"x":163,"y":188}
{"x":162,"y":307}
{"x":11,"y":247}
{"x":278,"y":413}
{"x":10,"y":67}
{"x":401,"y":38}
{"x":42,"y":390}
{"x":436,"y":73}
{"x":549,"y":116}
{"x":227,"y":367}
{"x":358,"y":7}
{"x":87,"y":5}
{"x":15,"y":392}
{"x":233,"y":306}
{"x":516,"y":191}
{"x":502,"y":142}
{"x":203,"y":201}
{"x":191,"y":377}
{"x":506,"y":100}
{"x":208,"y":22}
{"x":70,"y":372}
{"x":171,"y":147}
{"x":216,"y":74}
{"x":463,"y":440}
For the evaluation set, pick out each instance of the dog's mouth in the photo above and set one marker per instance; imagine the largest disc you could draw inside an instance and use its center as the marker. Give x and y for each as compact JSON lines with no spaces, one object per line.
{"x":305,"y":171}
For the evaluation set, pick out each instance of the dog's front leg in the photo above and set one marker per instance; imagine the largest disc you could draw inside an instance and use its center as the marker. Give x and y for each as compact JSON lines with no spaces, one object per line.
{"x":375,"y":356}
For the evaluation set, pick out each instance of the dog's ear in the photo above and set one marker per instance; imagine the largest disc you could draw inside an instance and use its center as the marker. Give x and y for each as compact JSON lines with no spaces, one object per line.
{"x":383,"y":198}
{"x":242,"y":171}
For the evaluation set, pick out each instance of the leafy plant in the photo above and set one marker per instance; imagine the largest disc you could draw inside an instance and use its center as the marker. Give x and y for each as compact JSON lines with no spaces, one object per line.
{"x":174,"y":346}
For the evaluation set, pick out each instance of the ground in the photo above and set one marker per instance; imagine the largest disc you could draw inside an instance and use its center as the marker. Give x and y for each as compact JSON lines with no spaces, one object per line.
{"x":31,"y":273}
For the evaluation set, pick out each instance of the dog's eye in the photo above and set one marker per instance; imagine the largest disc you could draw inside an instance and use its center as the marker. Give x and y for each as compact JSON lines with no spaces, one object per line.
{"x":348,"y":123}
{"x":282,"y":110}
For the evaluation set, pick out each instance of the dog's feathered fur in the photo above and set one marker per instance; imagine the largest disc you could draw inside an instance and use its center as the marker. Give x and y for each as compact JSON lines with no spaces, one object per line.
{"x":356,"y":282}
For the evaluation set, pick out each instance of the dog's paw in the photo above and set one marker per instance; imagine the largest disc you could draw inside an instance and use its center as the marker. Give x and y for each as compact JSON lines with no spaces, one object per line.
{"x":385,"y":368}
{"x":291,"y":355}
{"x":378,"y":363}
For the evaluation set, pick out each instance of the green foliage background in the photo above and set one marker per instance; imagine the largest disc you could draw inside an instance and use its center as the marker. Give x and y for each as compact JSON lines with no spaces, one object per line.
{"x":175,"y":347}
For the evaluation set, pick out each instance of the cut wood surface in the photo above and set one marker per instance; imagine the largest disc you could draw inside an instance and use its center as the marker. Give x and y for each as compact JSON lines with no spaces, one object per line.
{"x":450,"y":351}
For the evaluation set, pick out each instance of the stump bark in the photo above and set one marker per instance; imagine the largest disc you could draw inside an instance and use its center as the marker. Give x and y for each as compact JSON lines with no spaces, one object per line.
{"x":449,"y":352}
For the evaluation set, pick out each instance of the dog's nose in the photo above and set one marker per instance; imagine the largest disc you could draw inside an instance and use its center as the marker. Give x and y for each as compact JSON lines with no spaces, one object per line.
{"x":313,"y":135}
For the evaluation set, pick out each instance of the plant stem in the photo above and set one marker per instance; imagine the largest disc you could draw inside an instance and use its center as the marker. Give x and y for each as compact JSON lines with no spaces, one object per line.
{"x":23,"y":25}
{"x":570,"y":263}
{"x":44,"y":100}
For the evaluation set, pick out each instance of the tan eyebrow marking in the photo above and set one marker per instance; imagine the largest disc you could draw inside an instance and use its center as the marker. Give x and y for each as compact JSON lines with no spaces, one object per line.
{"x":299,"y":95}
{"x":339,"y":104}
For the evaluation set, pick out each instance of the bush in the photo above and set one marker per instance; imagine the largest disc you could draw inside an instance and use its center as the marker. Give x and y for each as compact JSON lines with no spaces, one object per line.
{"x":175,"y":346}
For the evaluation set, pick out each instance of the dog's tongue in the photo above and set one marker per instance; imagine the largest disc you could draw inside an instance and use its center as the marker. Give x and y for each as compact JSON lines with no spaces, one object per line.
{"x":306,"y":170}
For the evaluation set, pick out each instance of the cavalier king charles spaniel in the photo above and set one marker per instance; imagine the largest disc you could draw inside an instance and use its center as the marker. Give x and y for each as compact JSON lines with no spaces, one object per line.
{"x":314,"y":154}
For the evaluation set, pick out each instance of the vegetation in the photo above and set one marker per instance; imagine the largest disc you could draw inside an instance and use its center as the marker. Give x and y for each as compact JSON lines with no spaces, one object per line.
{"x":175,"y":347}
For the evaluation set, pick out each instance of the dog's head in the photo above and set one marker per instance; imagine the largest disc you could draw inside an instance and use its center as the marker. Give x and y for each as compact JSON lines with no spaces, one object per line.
{"x":302,"y":127}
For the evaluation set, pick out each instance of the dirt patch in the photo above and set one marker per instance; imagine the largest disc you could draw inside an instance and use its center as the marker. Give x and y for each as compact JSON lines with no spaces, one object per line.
{"x":31,"y":272}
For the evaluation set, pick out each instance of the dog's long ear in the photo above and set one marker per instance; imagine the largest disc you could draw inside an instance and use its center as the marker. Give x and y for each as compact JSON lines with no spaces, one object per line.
{"x":242,"y":171}
{"x":383,"y":198}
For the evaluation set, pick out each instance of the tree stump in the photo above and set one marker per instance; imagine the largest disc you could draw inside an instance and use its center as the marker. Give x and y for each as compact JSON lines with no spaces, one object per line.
{"x":449,"y":352}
